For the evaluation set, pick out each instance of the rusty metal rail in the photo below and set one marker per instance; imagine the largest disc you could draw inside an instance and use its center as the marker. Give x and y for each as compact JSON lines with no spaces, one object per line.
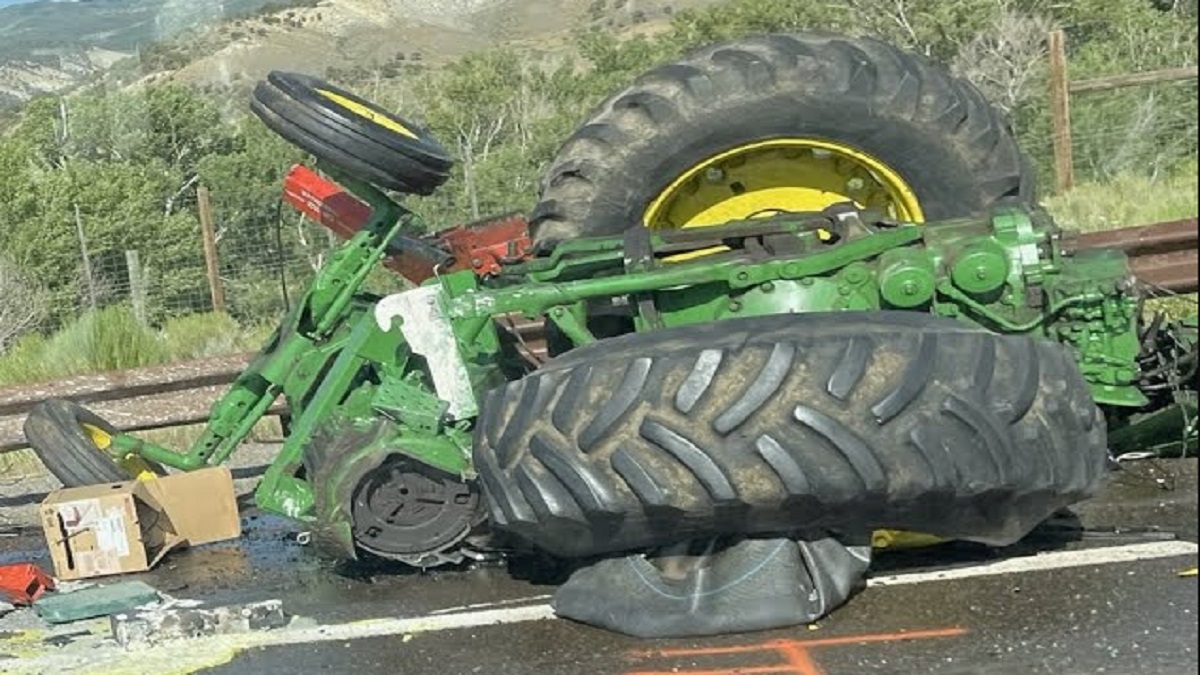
{"x":1162,"y":254}
{"x":132,"y":400}
{"x":125,"y":384}
{"x":179,"y":394}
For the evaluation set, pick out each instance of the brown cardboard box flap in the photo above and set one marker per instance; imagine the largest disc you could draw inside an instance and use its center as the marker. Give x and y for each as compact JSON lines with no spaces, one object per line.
{"x":202,"y":504}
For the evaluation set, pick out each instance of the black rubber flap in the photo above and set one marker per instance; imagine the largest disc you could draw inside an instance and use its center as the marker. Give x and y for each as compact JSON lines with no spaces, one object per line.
{"x":753,"y":584}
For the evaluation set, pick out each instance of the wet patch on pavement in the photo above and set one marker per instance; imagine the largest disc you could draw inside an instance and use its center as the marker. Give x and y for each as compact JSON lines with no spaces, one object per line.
{"x":1124,"y":614}
{"x":1129,"y":617}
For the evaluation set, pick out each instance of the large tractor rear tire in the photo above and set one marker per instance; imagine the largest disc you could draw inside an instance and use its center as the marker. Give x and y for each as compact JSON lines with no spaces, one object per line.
{"x":782,"y":122}
{"x":773,"y":425}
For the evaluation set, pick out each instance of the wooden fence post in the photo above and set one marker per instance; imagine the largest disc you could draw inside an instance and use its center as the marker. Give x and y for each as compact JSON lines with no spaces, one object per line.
{"x":1060,"y":111}
{"x":137,"y":285}
{"x":87,"y":263}
{"x":211,"y":262}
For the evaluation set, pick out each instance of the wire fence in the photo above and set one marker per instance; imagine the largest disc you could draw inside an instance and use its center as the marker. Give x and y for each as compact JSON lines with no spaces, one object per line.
{"x":260,"y":275}
{"x":256,"y":277}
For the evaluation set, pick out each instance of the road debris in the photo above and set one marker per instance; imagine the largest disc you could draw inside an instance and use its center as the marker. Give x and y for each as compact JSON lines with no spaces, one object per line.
{"x":118,"y":528}
{"x":97,"y":601}
{"x":183,"y":620}
{"x":753,"y":584}
{"x":723,"y":353}
{"x":23,"y":583}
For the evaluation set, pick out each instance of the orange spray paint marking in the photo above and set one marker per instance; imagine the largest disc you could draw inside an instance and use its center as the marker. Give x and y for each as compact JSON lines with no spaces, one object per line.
{"x":796,"y":654}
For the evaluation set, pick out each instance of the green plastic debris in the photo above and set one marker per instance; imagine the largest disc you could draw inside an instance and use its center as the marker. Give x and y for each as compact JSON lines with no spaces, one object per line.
{"x":93,"y":602}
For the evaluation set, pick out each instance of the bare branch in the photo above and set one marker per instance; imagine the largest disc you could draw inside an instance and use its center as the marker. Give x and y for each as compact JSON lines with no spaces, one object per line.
{"x":23,"y":303}
{"x":875,"y":15}
{"x":186,"y":186}
{"x":1004,"y":60}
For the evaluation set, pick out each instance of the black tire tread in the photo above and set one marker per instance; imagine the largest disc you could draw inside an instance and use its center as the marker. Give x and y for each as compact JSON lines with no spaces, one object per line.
{"x":752,"y":453}
{"x":52,"y":429}
{"x":288,"y":105}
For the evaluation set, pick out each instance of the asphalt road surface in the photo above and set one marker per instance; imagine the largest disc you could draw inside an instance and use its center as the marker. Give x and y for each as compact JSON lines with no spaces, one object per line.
{"x":1101,"y":594}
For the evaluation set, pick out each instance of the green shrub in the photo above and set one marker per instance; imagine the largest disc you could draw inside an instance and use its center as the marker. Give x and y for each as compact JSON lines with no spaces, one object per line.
{"x":201,"y":335}
{"x":109,"y":339}
{"x":23,"y":361}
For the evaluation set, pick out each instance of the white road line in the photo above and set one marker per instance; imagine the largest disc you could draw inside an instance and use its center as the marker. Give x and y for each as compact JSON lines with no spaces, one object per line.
{"x":420,"y":624}
{"x":498,"y":603}
{"x":477,"y":618}
{"x":206,"y":652}
{"x":1047,"y":561}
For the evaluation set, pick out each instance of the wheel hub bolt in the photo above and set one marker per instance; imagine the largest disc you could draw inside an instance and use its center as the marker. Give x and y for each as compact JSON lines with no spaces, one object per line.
{"x":714,"y":174}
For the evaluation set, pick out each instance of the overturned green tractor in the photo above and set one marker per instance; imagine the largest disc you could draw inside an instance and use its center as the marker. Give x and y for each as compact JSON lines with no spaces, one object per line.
{"x":792,"y":284}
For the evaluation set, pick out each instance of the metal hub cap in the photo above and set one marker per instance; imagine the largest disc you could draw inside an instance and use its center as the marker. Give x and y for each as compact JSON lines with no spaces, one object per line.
{"x":406,"y":512}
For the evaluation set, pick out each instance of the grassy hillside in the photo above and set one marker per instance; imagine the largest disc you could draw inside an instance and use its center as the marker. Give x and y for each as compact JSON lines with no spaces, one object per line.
{"x":54,"y":47}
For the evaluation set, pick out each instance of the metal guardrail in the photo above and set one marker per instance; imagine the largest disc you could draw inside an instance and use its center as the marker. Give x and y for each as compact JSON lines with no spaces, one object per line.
{"x":1163,"y":254}
{"x":180,"y":394}
{"x":132,"y":400}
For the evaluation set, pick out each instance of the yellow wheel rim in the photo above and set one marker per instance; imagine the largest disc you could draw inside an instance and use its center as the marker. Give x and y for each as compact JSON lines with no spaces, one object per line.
{"x":786,"y":174}
{"x":367,"y":113}
{"x":131,"y":464}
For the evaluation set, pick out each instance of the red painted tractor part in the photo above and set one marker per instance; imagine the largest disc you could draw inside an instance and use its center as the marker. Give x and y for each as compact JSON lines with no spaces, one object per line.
{"x":23,"y":583}
{"x":324,"y":201}
{"x":484,"y":246}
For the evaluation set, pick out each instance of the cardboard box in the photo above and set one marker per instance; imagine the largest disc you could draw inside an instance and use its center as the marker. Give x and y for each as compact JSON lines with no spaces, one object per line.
{"x":117,"y":528}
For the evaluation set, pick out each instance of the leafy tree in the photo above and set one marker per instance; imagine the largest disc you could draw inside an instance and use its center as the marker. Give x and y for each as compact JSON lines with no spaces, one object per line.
{"x":123,"y":163}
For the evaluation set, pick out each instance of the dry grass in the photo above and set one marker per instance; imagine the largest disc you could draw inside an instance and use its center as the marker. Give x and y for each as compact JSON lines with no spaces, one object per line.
{"x":1129,"y":201}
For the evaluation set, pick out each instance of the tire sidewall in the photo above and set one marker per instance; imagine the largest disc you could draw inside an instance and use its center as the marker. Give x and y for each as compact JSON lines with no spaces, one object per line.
{"x":357,"y":155}
{"x":941,"y":179}
{"x":303,"y":89}
{"x":289,"y":105}
{"x":53,"y":431}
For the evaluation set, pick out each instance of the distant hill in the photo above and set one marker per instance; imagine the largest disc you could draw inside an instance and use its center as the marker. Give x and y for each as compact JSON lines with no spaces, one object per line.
{"x":51,"y":46}
{"x":42,"y":29}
